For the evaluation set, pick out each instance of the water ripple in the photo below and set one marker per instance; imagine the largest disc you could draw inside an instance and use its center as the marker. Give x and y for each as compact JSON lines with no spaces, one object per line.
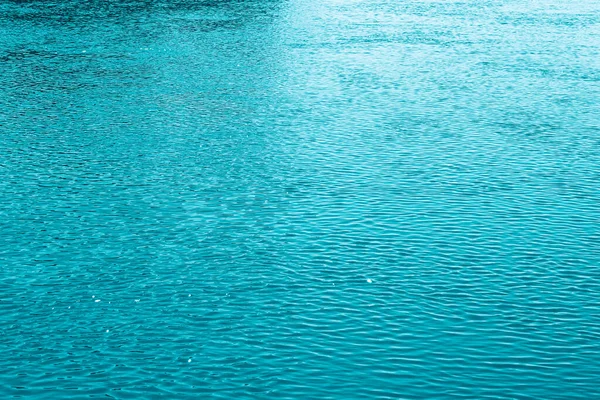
{"x":299,"y":199}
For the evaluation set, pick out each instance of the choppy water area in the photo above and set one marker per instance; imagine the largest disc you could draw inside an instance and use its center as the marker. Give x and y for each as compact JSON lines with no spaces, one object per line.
{"x":300,"y":199}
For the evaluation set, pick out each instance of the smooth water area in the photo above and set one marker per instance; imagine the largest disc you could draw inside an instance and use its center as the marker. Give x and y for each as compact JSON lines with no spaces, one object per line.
{"x":300,"y":199}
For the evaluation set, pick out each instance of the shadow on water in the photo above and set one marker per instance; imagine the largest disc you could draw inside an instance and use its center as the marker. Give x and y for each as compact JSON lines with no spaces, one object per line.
{"x":96,"y":51}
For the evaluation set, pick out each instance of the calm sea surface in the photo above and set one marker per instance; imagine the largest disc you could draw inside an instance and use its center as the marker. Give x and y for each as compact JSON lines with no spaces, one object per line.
{"x":300,"y":199}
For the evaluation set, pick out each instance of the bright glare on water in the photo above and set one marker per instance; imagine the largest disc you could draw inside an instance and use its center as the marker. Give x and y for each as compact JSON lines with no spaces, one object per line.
{"x":300,"y":199}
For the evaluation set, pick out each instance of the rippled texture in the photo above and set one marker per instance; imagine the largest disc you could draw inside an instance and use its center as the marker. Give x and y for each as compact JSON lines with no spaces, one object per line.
{"x":300,"y":199}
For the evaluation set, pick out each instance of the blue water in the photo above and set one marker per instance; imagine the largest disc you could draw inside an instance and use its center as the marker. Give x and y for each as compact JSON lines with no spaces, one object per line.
{"x":300,"y":199}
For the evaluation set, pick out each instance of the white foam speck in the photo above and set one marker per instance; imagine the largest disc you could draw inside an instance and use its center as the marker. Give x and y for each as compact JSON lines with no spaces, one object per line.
{"x":107,"y":331}
{"x":369,"y":280}
{"x":137,"y":300}
{"x":190,"y":360}
{"x":97,"y":301}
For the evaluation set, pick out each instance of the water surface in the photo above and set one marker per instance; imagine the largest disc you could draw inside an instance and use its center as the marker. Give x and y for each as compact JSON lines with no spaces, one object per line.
{"x":336,"y":199}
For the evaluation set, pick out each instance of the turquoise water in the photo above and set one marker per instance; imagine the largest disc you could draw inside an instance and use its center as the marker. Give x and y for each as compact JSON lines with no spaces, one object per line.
{"x":301,"y":199}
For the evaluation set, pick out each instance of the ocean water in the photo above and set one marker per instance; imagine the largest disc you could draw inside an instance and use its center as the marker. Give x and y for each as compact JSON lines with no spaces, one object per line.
{"x":300,"y":199}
